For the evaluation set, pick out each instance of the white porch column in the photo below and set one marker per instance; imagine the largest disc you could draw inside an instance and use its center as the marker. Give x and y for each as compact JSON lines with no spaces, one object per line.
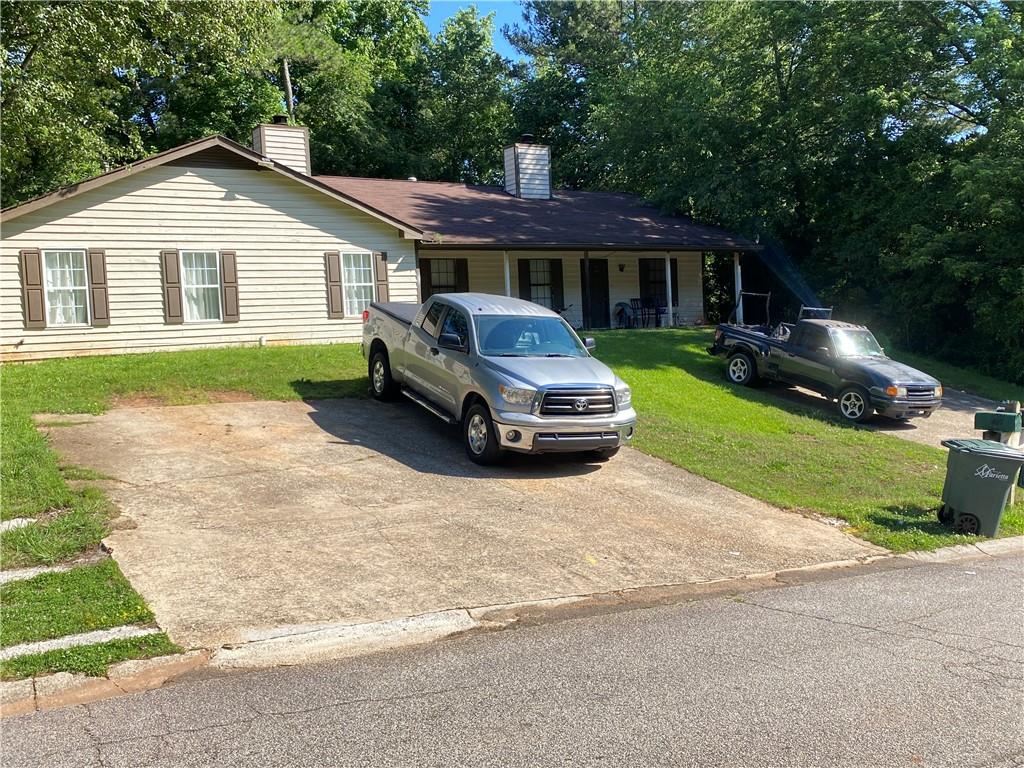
{"x":508,"y":275}
{"x":668,"y":289}
{"x":738,"y":275}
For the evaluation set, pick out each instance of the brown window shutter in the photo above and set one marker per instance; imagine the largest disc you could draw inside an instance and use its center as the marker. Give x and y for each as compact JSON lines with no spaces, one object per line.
{"x":524,"y":279}
{"x":229,"y":285}
{"x":96,"y":263}
{"x":426,"y":282}
{"x":380,"y":270}
{"x":461,"y":275}
{"x":170,"y":275}
{"x":335,"y":296}
{"x":32,"y":289}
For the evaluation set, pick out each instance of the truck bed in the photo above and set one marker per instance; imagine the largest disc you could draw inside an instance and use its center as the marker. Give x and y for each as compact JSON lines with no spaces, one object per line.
{"x":401,"y":311}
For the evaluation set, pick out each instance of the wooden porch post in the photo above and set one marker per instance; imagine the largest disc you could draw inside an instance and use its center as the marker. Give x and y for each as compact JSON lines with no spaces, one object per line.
{"x":668,"y":289}
{"x":586,"y":290}
{"x":508,"y":275}
{"x":738,"y":275}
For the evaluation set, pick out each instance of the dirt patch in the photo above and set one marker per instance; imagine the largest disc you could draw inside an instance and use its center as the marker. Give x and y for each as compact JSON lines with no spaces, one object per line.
{"x":139,"y":400}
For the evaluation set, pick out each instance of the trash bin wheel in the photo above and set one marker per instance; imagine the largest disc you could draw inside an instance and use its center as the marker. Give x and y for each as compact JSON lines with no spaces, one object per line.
{"x":945,"y":514}
{"x":967,"y":524}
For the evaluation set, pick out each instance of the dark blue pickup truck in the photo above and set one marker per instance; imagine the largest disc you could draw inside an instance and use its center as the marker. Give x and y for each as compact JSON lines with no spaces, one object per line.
{"x":840,"y":360}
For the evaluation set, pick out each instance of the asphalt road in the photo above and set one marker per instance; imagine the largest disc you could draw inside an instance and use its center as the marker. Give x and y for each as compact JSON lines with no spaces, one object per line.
{"x":922,"y":666}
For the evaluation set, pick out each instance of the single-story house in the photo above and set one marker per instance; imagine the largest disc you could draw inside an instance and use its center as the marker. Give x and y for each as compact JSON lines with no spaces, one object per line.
{"x":213,"y":243}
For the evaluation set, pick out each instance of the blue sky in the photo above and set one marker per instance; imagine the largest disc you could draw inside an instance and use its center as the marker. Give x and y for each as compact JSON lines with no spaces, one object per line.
{"x":505,"y":12}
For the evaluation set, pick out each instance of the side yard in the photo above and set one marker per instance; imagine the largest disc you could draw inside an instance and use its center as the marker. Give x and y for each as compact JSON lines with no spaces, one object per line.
{"x":884,"y":488}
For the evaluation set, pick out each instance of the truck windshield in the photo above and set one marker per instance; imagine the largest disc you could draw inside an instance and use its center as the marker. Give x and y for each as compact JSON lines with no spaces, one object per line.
{"x":856,"y":343}
{"x":504,"y":336}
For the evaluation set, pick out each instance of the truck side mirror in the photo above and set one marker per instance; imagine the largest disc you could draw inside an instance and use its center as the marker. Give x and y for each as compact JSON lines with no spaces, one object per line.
{"x":589,"y":343}
{"x":451,"y":341}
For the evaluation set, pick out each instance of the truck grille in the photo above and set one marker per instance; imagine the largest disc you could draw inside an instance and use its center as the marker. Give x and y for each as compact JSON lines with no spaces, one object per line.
{"x":920,"y":393}
{"x":577,"y":402}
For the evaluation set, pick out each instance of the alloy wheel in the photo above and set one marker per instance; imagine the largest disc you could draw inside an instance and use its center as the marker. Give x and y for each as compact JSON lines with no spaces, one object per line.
{"x":378,"y":376}
{"x":738,"y":369}
{"x":852,"y":405}
{"x":476,"y":433}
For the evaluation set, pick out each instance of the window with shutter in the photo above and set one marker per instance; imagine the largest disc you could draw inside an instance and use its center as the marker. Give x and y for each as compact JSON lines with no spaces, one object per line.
{"x":67,"y":287}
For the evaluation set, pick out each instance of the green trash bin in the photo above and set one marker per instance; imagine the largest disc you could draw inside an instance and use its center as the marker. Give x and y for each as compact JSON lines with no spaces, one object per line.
{"x":979,"y":476}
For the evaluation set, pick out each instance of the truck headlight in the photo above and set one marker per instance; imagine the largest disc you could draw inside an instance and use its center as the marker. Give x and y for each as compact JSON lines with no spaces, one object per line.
{"x":896,"y":391}
{"x":517,"y":395}
{"x":624,"y":397}
{"x":938,"y":391}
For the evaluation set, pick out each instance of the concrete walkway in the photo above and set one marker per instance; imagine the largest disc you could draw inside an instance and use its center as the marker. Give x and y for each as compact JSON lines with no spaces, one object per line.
{"x":242,"y":517}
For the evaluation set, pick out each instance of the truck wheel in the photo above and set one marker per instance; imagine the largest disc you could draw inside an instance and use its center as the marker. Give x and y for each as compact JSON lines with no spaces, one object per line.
{"x":855,"y":405}
{"x":479,"y":436}
{"x":741,"y":369}
{"x":381,"y":384}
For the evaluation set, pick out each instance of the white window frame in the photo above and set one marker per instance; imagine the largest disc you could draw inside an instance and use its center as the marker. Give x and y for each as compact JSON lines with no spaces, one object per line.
{"x":220,"y":288}
{"x":46,"y":289}
{"x":349,"y":310}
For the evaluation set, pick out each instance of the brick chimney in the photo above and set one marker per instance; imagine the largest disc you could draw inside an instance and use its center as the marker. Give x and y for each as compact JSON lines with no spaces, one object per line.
{"x":528,"y":169}
{"x":283,"y":143}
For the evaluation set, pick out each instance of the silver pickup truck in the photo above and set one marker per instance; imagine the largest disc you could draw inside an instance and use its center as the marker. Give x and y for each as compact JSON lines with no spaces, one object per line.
{"x":513,"y":374}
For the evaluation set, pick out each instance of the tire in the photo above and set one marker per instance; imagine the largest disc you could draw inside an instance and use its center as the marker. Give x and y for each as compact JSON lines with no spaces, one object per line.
{"x":479,"y":436}
{"x":855,"y":405}
{"x":382,"y":386}
{"x":967,"y":524}
{"x":741,"y":369}
{"x":604,"y":454}
{"x":945,"y":514}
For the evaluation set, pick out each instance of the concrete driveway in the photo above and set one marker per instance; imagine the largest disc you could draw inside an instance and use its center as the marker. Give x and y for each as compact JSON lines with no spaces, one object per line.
{"x":954,"y":419}
{"x":241,"y":517}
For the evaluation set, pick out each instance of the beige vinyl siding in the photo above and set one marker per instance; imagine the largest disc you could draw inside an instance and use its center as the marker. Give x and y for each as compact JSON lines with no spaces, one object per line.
{"x":487,"y":275}
{"x":278,"y":228}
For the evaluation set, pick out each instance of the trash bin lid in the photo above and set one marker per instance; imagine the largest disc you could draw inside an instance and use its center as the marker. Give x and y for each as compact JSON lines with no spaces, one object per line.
{"x":988,"y":448}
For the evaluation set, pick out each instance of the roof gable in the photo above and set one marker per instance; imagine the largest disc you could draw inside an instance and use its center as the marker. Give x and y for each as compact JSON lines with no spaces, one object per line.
{"x":209,"y":152}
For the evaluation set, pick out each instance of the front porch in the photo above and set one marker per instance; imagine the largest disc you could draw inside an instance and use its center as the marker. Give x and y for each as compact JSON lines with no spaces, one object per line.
{"x":591,"y":288}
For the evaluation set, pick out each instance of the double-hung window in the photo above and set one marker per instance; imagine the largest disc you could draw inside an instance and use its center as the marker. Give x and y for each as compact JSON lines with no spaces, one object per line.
{"x":443,"y":277}
{"x":358,"y":282}
{"x":200,"y":286}
{"x":540,"y":283}
{"x":67,"y":288}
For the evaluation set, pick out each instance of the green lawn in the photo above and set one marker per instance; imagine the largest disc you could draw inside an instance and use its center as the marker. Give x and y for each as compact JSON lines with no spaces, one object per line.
{"x":792,"y":456}
{"x":89,"y":659}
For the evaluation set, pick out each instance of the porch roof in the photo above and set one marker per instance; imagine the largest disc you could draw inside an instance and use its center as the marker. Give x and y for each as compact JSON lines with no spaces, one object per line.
{"x":461,"y":215}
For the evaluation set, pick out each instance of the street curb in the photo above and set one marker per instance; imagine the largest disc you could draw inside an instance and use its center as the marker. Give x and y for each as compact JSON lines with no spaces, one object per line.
{"x":63,"y":689}
{"x":282,"y":646}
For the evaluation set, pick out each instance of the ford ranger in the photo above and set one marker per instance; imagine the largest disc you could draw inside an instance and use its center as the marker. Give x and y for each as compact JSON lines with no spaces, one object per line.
{"x":840,"y":360}
{"x":513,"y":374}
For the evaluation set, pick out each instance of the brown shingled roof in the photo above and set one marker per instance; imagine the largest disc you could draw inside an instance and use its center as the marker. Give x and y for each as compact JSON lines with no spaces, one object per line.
{"x":463,"y":215}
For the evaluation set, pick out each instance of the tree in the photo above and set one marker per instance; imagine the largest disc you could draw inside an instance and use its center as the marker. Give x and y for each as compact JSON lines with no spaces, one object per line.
{"x":466,"y":114}
{"x":84,"y":84}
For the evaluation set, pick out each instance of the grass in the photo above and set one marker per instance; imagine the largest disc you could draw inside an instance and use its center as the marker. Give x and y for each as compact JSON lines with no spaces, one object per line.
{"x":794,"y":457}
{"x":88,"y":659}
{"x":963,"y":378}
{"x":61,"y":537}
{"x":80,"y":600}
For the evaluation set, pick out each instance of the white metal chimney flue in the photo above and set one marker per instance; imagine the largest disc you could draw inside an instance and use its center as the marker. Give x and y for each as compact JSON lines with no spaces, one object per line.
{"x":283,"y":143}
{"x":528,"y":169}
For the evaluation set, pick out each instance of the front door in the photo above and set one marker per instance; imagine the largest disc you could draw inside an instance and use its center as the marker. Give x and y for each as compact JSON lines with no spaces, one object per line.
{"x":596,"y":312}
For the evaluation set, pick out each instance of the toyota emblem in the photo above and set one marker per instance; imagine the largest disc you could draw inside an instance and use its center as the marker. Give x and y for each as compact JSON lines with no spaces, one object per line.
{"x":581,"y":404}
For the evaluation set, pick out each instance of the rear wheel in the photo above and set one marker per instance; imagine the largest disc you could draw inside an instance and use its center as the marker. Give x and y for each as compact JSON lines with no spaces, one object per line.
{"x":855,"y":405}
{"x":479,"y":435}
{"x":741,"y":369}
{"x":381,"y":383}
{"x":967,"y":524}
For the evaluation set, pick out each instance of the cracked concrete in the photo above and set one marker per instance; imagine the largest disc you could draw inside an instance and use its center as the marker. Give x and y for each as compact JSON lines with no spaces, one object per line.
{"x":246,"y":516}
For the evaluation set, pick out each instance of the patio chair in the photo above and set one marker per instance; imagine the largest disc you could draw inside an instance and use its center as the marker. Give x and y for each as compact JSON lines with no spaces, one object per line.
{"x":639,"y":313}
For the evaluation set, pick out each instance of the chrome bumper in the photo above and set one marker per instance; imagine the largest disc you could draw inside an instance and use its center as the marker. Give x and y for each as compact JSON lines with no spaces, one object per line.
{"x":532,"y":434}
